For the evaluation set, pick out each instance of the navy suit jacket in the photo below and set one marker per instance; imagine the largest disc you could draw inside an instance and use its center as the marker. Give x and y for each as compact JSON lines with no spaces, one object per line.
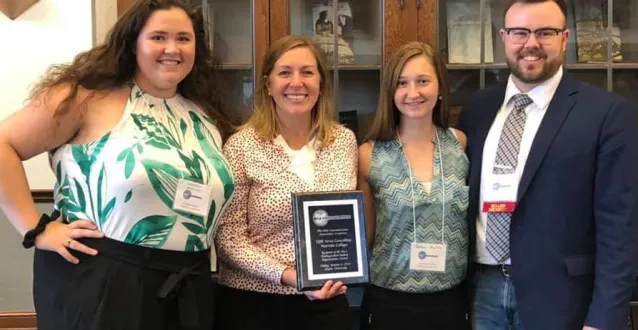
{"x":574,"y":232}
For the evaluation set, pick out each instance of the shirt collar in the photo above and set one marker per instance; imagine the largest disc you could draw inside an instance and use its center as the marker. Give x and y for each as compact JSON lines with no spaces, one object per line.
{"x":280,"y":141}
{"x":541,"y":95}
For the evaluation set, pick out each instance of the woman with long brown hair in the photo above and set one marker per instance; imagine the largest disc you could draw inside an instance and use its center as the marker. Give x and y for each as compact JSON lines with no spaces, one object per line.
{"x":290,"y":144}
{"x":413,"y":171}
{"x":134,"y":129}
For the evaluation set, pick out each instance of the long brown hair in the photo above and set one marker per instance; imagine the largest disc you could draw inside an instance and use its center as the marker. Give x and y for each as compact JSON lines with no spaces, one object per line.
{"x":264,"y":118}
{"x":388,"y":116}
{"x":113,"y":64}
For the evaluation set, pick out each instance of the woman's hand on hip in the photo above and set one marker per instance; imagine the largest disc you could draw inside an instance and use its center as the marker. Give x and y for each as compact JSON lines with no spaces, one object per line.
{"x":60,"y":237}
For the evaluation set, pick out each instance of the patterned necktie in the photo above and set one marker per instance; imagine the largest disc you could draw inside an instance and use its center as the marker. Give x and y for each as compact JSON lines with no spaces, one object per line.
{"x":498,"y":224}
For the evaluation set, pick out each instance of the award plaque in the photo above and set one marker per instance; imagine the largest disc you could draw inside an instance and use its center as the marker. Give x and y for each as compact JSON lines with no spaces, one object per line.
{"x":330,"y":238}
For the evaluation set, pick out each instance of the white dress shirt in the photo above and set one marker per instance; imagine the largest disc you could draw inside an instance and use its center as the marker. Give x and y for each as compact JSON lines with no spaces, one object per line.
{"x":541,"y":95}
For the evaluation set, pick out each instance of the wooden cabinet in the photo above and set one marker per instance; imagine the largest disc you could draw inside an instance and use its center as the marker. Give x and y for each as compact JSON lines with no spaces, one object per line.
{"x":239,"y":37}
{"x":465,"y":31}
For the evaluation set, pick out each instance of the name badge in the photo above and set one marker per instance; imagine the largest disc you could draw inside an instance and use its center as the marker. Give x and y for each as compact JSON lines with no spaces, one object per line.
{"x":428,"y":257}
{"x":192,"y":197}
{"x":499,"y":207}
{"x":499,"y":195}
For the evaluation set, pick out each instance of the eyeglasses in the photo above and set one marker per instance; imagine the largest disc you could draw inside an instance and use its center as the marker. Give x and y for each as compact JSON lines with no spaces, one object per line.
{"x":543,"y":35}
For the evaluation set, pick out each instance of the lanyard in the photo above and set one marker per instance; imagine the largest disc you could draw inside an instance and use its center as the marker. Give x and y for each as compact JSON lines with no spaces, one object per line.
{"x":438,"y":147}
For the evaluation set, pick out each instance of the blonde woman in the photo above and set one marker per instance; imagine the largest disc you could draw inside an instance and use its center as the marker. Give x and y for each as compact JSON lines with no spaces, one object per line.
{"x":413,"y":172}
{"x":291,"y":144}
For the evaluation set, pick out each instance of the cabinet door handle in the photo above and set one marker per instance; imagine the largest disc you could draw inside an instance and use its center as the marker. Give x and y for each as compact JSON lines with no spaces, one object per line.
{"x":401,"y":4}
{"x":418,"y":4}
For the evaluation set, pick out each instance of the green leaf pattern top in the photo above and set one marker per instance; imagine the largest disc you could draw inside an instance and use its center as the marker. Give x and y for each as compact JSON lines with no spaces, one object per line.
{"x":126,"y":181}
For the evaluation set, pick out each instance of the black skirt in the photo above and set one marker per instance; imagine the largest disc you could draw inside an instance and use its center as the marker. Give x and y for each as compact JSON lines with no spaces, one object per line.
{"x":124,"y":287}
{"x":384,"y":309}
{"x":250,"y":310}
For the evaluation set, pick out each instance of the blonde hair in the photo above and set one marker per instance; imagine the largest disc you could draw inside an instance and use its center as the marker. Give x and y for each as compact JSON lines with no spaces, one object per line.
{"x":264,"y":119}
{"x":387,"y":117}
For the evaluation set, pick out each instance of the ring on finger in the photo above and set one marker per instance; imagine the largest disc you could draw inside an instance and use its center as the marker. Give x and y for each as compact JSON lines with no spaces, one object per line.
{"x":68,"y":243}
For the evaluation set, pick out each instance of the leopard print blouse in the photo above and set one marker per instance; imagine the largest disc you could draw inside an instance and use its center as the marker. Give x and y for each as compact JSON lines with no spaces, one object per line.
{"x":255,"y":238}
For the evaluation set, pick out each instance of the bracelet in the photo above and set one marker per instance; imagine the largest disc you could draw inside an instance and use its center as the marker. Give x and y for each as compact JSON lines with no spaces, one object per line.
{"x":29,"y":237}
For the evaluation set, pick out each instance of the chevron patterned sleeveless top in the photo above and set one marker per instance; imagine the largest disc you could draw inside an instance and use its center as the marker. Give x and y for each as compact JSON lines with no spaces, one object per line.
{"x":126,"y":181}
{"x":390,"y":183}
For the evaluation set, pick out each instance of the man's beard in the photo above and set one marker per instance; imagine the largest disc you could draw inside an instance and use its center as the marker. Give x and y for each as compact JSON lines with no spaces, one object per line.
{"x":548,"y":69}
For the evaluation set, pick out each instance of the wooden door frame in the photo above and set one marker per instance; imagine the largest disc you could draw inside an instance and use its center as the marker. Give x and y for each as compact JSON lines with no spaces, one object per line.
{"x":279,"y":19}
{"x":428,"y":22}
{"x":261,"y":34}
{"x":123,"y":5}
{"x":400,"y":24}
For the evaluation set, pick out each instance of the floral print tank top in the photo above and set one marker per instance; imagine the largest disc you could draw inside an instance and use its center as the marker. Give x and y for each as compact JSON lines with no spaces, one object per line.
{"x":126,"y":181}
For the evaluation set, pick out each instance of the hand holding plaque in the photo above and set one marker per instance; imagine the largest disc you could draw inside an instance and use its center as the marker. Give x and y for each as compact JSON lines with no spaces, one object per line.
{"x":330,"y":242}
{"x":329,"y":290}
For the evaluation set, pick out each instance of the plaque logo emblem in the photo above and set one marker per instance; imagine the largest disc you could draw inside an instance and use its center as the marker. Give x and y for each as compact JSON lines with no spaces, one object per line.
{"x":320,"y":217}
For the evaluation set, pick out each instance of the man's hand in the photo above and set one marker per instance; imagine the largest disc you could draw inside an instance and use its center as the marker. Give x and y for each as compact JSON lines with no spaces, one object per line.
{"x":590,"y":328}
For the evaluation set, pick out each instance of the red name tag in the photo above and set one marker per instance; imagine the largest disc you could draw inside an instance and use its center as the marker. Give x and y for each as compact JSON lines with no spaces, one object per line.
{"x":499,"y":207}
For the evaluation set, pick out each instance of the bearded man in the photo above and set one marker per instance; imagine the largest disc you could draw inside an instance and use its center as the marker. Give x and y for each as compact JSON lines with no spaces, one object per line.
{"x":553,"y":188}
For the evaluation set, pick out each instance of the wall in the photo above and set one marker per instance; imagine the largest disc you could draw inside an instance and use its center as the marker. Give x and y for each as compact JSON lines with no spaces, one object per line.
{"x":104,"y":15}
{"x":52,"y":31}
{"x":16,"y":269}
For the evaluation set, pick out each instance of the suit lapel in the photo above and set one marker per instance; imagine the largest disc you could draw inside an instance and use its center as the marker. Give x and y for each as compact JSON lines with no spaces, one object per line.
{"x":487,"y":116}
{"x":559,"y":107}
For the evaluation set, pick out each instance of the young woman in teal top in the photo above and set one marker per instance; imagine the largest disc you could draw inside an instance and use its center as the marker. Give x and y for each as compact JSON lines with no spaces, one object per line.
{"x":413,"y":172}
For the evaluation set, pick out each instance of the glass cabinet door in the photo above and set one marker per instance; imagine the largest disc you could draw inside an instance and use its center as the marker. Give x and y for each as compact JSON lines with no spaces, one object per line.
{"x":463,"y":82}
{"x":625,"y":21}
{"x":625,"y":83}
{"x":351,"y":38}
{"x":359,"y":47}
{"x":350,"y":34}
{"x":232,"y":46}
{"x":625,"y":71}
{"x":461,"y":41}
{"x":466,"y":43}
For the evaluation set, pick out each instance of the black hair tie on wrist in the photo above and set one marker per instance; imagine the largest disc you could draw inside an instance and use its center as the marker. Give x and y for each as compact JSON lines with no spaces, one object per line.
{"x":29,"y":237}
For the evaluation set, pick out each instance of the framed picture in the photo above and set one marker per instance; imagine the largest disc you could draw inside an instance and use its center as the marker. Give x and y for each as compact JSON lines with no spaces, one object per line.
{"x":209,"y":19}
